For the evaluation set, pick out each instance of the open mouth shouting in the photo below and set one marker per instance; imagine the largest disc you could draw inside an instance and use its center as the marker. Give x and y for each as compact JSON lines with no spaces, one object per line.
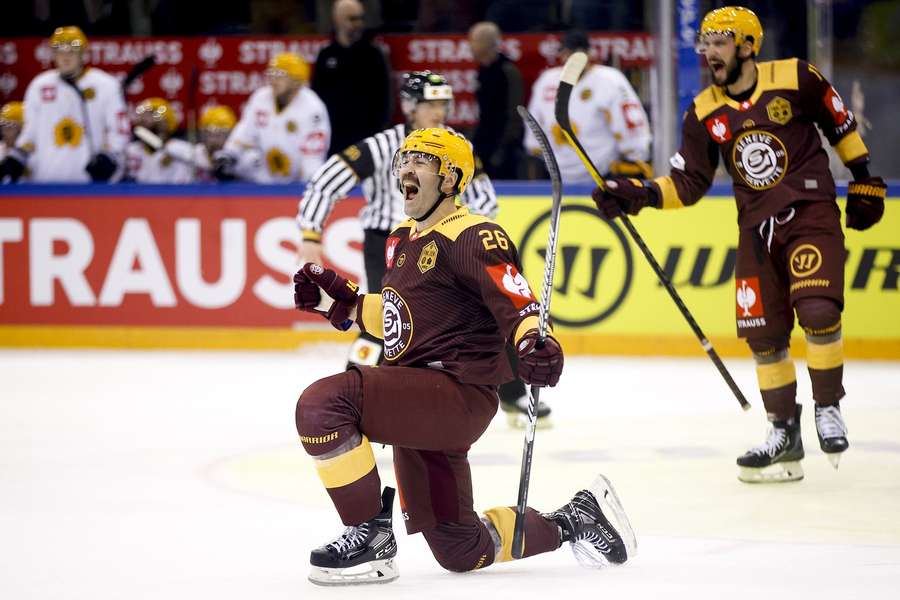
{"x":718,"y":68}
{"x":410,"y":186}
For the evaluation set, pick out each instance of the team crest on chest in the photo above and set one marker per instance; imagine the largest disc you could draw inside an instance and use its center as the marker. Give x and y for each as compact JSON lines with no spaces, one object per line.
{"x":89,"y":93}
{"x":397,"y":323}
{"x":428,"y":257}
{"x":291,"y":127}
{"x":779,"y":110}
{"x":760,"y":159}
{"x":586,"y":94}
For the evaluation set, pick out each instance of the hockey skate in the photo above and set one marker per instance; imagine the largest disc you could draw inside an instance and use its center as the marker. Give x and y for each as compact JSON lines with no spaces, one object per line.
{"x":363,"y":554}
{"x":596,"y":526}
{"x":778,"y":458}
{"x":832,"y":432}
{"x":517,"y":413}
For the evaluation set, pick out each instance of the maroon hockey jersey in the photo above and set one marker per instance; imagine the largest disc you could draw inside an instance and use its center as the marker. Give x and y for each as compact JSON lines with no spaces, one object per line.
{"x":769,"y":143}
{"x":451,"y":297}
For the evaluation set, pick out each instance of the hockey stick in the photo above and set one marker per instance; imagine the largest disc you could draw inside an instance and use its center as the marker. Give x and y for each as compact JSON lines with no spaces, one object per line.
{"x":136,"y":71}
{"x":518,"y":542}
{"x":570,"y":75}
{"x":89,"y":138}
{"x":156,"y":143}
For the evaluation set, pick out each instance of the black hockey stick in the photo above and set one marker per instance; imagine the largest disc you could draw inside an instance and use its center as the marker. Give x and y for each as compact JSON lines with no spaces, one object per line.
{"x":136,"y":71}
{"x":570,"y":75}
{"x":518,"y":542}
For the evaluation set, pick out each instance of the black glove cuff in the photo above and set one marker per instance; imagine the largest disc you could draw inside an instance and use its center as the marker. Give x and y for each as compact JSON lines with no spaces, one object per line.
{"x":860,"y":171}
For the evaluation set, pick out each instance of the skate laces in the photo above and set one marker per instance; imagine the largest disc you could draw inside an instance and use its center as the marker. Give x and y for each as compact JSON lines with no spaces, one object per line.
{"x":829,"y":422}
{"x":773,"y":443}
{"x":352,"y":536}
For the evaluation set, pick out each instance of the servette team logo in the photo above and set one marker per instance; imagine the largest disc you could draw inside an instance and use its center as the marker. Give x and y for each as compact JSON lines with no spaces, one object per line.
{"x":512,"y":283}
{"x":749,"y":303}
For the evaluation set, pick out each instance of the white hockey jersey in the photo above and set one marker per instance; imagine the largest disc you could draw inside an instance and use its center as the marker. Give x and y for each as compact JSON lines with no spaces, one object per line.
{"x":606,"y":115}
{"x":4,"y":152}
{"x":248,"y":165}
{"x":292,"y":143}
{"x":173,"y":163}
{"x":56,"y":136}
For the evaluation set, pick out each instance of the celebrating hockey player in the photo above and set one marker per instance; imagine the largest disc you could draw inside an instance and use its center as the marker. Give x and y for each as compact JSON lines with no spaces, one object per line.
{"x":452,"y":297}
{"x":155,"y":156}
{"x":425,"y":99}
{"x":606,"y":113}
{"x":76,"y":125}
{"x":285,"y":122}
{"x":761,"y":119}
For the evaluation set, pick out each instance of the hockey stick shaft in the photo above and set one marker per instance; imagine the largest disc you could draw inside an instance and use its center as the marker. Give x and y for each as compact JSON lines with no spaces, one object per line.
{"x":518,"y":543}
{"x":571,"y":72}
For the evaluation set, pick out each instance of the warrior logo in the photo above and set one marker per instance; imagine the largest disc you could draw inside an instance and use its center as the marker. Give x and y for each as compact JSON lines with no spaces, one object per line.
{"x":397,"y":323}
{"x":805,"y":260}
{"x":760,"y":159}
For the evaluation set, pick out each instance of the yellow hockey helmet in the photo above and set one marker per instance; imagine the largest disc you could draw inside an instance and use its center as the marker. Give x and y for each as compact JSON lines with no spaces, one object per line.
{"x":451,"y":149}
{"x":160,"y":110}
{"x":737,"y":21}
{"x":290,"y":64}
{"x":68,"y":37}
{"x":218,"y":117}
{"x":12,"y":113}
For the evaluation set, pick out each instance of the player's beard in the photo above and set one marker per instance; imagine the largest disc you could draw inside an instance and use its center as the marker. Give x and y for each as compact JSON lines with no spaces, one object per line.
{"x":735,"y":73}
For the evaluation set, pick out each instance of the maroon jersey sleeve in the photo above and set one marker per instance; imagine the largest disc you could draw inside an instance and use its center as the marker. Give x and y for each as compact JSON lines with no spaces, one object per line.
{"x":820,"y":100}
{"x":693,"y":166}
{"x":486,"y":262}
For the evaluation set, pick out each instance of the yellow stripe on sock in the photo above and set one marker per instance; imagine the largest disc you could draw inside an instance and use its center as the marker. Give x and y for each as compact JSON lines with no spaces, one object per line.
{"x":503,"y":519}
{"x":776,"y":375}
{"x":825,"y":356}
{"x":348,"y":467}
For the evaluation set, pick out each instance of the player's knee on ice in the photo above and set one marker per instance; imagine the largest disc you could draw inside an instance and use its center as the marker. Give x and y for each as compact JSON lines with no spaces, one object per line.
{"x":327,"y":415}
{"x":459,"y":548}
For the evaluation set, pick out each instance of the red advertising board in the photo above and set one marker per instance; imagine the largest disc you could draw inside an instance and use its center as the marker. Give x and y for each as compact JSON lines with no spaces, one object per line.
{"x":162,"y":260}
{"x":227,"y":69}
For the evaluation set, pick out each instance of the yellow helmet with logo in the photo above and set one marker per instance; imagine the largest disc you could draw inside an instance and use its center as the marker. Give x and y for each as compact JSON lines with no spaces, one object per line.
{"x":12,"y":112}
{"x":68,"y":37}
{"x":158,"y":109}
{"x":218,"y":117}
{"x":740,"y":22}
{"x":291,"y":64}
{"x":452,"y":150}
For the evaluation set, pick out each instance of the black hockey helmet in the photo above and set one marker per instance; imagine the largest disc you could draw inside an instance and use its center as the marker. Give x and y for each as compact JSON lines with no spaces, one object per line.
{"x":422,"y":86}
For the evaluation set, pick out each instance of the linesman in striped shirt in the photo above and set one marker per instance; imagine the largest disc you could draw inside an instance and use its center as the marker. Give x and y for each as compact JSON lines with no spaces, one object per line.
{"x":425,"y":100}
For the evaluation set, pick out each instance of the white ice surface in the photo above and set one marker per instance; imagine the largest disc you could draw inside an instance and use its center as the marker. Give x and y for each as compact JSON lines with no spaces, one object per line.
{"x":155,"y":475}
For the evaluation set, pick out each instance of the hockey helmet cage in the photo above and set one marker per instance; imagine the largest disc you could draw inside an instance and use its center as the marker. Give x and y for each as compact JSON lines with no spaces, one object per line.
{"x":737,"y":21}
{"x":290,"y":64}
{"x":451,"y":149}
{"x":68,"y":37}
{"x":12,"y":113}
{"x":160,"y":110}
{"x":218,"y":117}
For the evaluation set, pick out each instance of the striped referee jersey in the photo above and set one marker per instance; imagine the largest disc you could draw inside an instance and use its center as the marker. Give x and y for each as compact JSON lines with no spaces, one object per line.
{"x":369,"y":162}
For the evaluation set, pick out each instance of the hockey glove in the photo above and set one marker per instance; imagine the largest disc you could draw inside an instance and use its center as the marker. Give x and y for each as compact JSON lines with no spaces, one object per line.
{"x":540,"y":366}
{"x":623,"y":195}
{"x":101,"y":167}
{"x":224,"y":166}
{"x":11,"y":169}
{"x":309,"y":283}
{"x":865,"y":202}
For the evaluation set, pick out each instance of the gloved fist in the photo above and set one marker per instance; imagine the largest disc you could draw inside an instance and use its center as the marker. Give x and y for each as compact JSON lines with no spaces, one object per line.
{"x":865,"y":202}
{"x":311,"y":280}
{"x":224,"y":166}
{"x":11,"y":169}
{"x":101,"y":168}
{"x":621,"y":195}
{"x":540,"y":366}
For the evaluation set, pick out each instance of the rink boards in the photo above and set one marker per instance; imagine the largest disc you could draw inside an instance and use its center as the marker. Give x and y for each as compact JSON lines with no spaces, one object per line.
{"x":210,"y":267}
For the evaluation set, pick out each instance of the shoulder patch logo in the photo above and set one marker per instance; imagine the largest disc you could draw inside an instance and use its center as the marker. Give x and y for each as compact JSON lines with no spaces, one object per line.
{"x":779,"y":110}
{"x":390,"y":248}
{"x":428,"y":257}
{"x":512,"y":283}
{"x":719,"y":129}
{"x":835,"y":106}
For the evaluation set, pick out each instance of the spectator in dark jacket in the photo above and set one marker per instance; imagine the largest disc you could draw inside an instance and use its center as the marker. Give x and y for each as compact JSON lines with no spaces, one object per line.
{"x":498,"y":136}
{"x":352,"y":78}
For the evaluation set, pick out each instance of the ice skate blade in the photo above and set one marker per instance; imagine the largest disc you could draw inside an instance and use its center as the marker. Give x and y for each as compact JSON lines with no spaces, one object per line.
{"x":518,"y":420}
{"x":776,"y":473}
{"x":835,"y":459}
{"x":585,"y":553}
{"x":376,"y":571}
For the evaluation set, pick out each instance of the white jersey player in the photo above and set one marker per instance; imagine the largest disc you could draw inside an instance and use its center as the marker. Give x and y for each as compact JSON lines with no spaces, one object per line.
{"x":285,"y":122}
{"x":605,"y":112}
{"x":158,"y":158}
{"x":216,"y":124}
{"x":11,"y":120}
{"x":76,"y":125}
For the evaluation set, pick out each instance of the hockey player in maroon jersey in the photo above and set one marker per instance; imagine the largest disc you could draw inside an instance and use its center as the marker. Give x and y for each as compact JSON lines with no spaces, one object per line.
{"x":761,"y":118}
{"x":452,"y":296}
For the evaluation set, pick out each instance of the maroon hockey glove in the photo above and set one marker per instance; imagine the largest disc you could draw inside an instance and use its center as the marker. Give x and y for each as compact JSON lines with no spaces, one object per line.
{"x":865,"y":202}
{"x":622,"y":195}
{"x":311,"y":280}
{"x":539,"y":366}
